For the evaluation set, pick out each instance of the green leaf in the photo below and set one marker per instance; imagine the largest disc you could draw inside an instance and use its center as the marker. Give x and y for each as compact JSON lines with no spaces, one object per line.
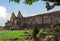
{"x":29,"y":2}
{"x":17,"y":1}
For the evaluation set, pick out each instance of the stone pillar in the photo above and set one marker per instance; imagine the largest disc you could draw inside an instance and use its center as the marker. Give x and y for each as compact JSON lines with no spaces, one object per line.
{"x":42,"y":20}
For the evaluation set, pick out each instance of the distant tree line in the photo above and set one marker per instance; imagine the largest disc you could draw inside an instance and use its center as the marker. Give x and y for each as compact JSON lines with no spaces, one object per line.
{"x":2,"y":27}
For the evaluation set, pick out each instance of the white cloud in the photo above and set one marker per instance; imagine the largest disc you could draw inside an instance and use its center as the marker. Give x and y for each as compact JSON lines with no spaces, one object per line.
{"x":4,"y":16}
{"x":3,"y":12}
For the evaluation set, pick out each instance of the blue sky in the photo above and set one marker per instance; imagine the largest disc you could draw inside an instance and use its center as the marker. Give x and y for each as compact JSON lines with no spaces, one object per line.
{"x":26,"y":10}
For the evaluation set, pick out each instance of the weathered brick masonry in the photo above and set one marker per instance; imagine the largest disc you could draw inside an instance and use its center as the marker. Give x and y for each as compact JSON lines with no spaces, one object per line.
{"x":42,"y":20}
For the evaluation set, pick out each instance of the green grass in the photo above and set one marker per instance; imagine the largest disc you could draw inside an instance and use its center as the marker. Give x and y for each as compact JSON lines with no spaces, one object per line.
{"x":13,"y":34}
{"x":20,"y":34}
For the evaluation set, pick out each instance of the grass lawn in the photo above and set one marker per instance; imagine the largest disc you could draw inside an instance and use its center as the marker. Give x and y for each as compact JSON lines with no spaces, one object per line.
{"x":20,"y":34}
{"x":4,"y":35}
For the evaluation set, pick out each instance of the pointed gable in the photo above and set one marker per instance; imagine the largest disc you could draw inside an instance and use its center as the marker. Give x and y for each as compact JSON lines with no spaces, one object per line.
{"x":19,"y":15}
{"x":13,"y":15}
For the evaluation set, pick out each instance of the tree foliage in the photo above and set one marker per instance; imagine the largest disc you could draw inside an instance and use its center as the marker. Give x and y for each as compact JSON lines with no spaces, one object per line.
{"x":48,"y":6}
{"x":17,"y":1}
{"x":29,"y":2}
{"x":55,"y":3}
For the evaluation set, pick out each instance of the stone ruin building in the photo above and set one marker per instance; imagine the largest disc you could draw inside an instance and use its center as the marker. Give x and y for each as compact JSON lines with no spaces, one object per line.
{"x":42,"y":20}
